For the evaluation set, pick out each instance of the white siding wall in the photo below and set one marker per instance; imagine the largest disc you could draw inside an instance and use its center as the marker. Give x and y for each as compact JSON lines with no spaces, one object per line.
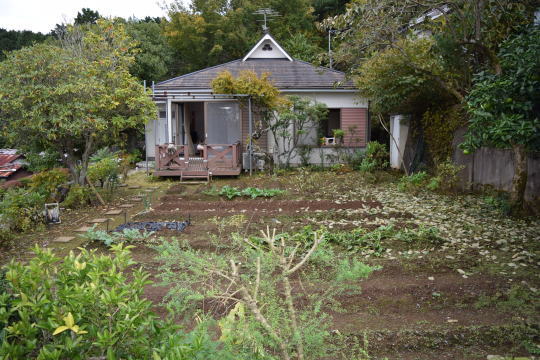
{"x":399,"y":129}
{"x":335,"y":100}
{"x":156,"y":132}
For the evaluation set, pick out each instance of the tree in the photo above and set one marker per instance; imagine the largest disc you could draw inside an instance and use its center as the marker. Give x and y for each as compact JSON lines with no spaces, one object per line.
{"x":504,"y":108}
{"x":465,"y":36}
{"x":287,"y":119}
{"x":211,"y":32}
{"x":154,"y":58}
{"x":302,"y":47}
{"x":73,"y":96}
{"x":14,"y":40}
{"x":87,"y":16}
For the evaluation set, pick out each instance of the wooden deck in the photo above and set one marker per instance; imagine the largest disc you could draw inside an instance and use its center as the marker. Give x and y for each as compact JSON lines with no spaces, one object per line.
{"x":211,"y":160}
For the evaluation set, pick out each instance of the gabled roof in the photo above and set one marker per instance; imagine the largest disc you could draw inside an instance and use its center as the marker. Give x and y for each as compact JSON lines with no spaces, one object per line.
{"x":267,"y":48}
{"x":285,"y":72}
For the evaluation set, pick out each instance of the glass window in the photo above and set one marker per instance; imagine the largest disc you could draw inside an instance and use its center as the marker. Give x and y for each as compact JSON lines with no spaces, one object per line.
{"x":331,"y":123}
{"x":222,"y":122}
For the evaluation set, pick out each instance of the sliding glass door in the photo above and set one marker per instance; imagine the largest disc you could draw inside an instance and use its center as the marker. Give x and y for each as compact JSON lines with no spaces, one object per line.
{"x":222,"y":122}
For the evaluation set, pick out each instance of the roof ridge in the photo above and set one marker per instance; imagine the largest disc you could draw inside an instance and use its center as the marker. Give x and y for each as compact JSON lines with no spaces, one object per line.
{"x":197,"y":71}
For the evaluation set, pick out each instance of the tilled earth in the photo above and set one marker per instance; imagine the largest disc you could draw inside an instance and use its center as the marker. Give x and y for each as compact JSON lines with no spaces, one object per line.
{"x":426,"y":303}
{"x":473,"y":296}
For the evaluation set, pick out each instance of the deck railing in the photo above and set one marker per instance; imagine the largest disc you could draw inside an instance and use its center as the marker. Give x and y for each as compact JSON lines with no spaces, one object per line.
{"x":212,"y":156}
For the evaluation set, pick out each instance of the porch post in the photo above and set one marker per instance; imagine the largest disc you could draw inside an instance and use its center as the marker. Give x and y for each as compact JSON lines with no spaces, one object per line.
{"x":169,"y":120}
{"x":250,"y":148}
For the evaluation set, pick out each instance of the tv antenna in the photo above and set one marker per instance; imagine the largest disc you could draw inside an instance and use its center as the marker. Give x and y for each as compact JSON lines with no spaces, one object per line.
{"x":268,"y":14}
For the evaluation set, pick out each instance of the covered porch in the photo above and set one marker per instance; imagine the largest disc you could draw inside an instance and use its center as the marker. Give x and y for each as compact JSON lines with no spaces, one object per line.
{"x":198,"y":135}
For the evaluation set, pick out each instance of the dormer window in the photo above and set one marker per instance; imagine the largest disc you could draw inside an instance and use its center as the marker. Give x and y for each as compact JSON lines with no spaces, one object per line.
{"x":267,"y":47}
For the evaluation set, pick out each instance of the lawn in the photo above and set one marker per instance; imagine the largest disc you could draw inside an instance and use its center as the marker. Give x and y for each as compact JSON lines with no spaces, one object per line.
{"x":457,"y":278}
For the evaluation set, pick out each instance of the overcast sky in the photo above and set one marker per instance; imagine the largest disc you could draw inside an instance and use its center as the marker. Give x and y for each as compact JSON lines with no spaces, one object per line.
{"x":43,"y":15}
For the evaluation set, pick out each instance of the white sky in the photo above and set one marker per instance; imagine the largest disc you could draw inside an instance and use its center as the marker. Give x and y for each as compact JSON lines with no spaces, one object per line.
{"x":43,"y":15}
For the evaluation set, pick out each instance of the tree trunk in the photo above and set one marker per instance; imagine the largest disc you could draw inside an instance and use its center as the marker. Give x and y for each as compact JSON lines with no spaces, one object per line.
{"x":519,"y":182}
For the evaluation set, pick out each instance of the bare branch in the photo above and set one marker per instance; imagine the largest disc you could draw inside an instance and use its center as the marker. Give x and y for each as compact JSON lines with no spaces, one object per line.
{"x":258,"y":279}
{"x":316,"y":241}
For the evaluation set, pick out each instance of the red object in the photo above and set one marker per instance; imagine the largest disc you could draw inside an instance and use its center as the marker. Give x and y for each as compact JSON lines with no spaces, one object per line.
{"x":6,"y":167}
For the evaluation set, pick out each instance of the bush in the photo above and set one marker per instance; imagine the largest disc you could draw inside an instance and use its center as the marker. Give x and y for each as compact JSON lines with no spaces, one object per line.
{"x":48,"y":183}
{"x":105,"y":171}
{"x":414,"y":183}
{"x":20,"y":210}
{"x":376,"y":157}
{"x":354,"y":159}
{"x":84,"y":306}
{"x":447,"y":178}
{"x":78,"y":196}
{"x":38,"y":162}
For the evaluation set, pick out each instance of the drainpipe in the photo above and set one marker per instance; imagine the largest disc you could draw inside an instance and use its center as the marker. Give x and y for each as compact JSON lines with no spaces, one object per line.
{"x":250,"y":147}
{"x":169,"y":120}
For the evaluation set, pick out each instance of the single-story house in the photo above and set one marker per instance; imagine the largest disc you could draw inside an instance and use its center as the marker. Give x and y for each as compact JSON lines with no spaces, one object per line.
{"x":220,"y":126}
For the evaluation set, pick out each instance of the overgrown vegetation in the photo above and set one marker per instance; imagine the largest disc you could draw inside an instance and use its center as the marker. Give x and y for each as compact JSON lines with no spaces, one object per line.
{"x":262,"y":270}
{"x":446,"y":179}
{"x":85,"y":307}
{"x":376,"y":157}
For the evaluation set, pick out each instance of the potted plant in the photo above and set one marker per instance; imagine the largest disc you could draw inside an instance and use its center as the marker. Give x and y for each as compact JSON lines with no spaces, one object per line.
{"x":338,"y":135}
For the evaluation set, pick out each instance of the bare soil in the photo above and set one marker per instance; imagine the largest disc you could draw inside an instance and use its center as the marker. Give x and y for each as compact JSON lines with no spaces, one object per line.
{"x":415,"y":307}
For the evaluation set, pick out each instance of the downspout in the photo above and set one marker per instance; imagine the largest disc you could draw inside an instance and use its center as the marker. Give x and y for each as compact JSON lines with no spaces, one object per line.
{"x":368,"y":137}
{"x":250,"y":145}
{"x":169,"y":120}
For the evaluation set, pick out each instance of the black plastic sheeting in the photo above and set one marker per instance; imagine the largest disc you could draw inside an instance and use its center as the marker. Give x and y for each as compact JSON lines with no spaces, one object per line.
{"x":154,"y":225}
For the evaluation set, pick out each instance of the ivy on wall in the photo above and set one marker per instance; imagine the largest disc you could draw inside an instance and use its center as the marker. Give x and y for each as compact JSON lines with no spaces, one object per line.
{"x":439,"y":126}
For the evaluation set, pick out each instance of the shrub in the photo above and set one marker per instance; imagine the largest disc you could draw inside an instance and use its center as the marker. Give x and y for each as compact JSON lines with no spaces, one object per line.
{"x":376,"y":157}
{"x":48,"y":182}
{"x":447,"y":178}
{"x":103,"y":153}
{"x":84,"y":306}
{"x":105,"y":171}
{"x":78,"y":196}
{"x":43,"y":161}
{"x":265,"y":320}
{"x":21,"y":209}
{"x":354,"y":159}
{"x":413,"y":183}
